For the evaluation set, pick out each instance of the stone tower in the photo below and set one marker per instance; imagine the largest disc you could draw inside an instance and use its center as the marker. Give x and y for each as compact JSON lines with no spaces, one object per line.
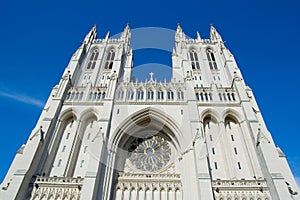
{"x":102,"y":135}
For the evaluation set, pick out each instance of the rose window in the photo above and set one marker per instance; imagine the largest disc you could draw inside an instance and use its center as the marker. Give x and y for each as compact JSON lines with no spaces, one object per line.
{"x":150,"y":154}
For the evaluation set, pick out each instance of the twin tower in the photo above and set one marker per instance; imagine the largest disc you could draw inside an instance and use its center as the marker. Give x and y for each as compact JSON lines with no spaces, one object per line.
{"x":103,"y":135}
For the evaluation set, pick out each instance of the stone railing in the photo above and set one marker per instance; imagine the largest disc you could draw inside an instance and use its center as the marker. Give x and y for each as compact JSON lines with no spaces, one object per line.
{"x":151,"y":91}
{"x":151,"y":177}
{"x":56,"y":188}
{"x":204,"y":41}
{"x":240,"y":189}
{"x":80,"y":94}
{"x":148,"y":186}
{"x":220,"y":95}
{"x":111,"y":40}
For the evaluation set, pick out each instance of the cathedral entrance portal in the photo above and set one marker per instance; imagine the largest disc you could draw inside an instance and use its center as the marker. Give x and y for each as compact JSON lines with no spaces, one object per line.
{"x":147,"y":161}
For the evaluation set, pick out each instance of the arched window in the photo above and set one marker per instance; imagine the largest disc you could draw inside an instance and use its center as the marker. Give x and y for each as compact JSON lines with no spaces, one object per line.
{"x":72,"y":95}
{"x":197,"y":96}
{"x":99,"y":96}
{"x":110,"y":59}
{"x":202,"y":97}
{"x":150,"y":94}
{"x":160,"y":95}
{"x":229,"y":97}
{"x":224,"y":96}
{"x":93,"y":59}
{"x":69,"y":95}
{"x":120,"y":94}
{"x":76,"y":95}
{"x":220,"y":96}
{"x":233,"y":97}
{"x":206,"y":96}
{"x":80,"y":96}
{"x":194,"y":59}
{"x":170,"y":95}
{"x":140,"y":94}
{"x":130,"y":94}
{"x":94,"y":95}
{"x":211,"y":59}
{"x":210,"y":96}
{"x":180,"y":95}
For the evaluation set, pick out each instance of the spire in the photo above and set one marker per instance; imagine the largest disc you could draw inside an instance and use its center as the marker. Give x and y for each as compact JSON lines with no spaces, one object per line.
{"x":107,"y":36}
{"x":179,"y":29}
{"x":179,"y":35}
{"x":198,"y":36}
{"x":92,"y":34}
{"x":126,"y":36}
{"x":214,"y":35}
{"x":173,"y":52}
{"x":126,"y":31}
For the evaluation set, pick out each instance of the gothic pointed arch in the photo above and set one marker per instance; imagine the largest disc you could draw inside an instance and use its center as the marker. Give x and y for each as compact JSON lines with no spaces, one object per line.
{"x":94,"y":54}
{"x":89,"y":133}
{"x":146,"y":118}
{"x":91,"y":111}
{"x":231,"y":113}
{"x":211,"y":57}
{"x":110,"y":57}
{"x":70,"y":112}
{"x":210,"y":112}
{"x":194,"y":58}
{"x":140,"y":92}
{"x":146,"y":144}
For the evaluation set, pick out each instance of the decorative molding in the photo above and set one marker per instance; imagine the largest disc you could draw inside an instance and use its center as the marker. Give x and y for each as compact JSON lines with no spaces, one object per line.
{"x":20,"y":172}
{"x":144,"y":181}
{"x":241,"y":189}
{"x":56,"y":188}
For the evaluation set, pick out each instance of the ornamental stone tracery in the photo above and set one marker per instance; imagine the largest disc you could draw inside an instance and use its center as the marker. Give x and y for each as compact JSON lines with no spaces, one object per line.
{"x":205,"y":127}
{"x":56,"y":188}
{"x":151,"y":154}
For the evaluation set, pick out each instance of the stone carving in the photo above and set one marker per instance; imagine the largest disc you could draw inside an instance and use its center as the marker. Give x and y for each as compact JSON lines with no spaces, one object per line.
{"x":56,"y":188}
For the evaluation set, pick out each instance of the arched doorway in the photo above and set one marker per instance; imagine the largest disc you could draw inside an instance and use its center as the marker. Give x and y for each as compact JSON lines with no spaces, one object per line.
{"x":145,"y":164}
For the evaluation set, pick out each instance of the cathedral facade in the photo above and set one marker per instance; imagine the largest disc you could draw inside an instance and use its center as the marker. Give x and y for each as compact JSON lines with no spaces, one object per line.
{"x":103,"y":135}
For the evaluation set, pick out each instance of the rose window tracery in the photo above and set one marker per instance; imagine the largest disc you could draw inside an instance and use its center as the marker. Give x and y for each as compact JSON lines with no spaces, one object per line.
{"x":150,"y":154}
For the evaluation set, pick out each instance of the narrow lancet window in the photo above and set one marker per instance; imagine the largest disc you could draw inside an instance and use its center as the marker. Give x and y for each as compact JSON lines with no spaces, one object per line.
{"x":211,"y":59}
{"x":194,"y":59}
{"x":110,"y":59}
{"x":93,"y":59}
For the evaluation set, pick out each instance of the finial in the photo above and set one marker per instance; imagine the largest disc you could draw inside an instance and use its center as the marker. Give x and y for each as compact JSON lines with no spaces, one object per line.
{"x":214,"y":35}
{"x":107,"y":35}
{"x":173,"y":52}
{"x":127,"y":26}
{"x":151,"y":76}
{"x":198,"y":36}
{"x":179,"y":27}
{"x":126,"y":32}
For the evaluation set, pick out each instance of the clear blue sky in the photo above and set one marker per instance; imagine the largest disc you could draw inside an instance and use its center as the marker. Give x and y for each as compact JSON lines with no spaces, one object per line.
{"x":38,"y":38}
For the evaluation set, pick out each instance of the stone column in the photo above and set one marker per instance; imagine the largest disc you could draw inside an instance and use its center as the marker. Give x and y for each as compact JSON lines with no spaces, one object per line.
{"x":126,"y":194}
{"x":164,"y":195}
{"x":156,"y":194}
{"x":119,"y":194}
{"x":178,"y":195}
{"x":134,"y":194}
{"x":141,"y":195}
{"x":171,"y":195}
{"x":149,"y":194}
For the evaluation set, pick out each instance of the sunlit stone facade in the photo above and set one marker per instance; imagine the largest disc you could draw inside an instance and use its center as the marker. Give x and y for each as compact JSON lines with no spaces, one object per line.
{"x":103,"y":135}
